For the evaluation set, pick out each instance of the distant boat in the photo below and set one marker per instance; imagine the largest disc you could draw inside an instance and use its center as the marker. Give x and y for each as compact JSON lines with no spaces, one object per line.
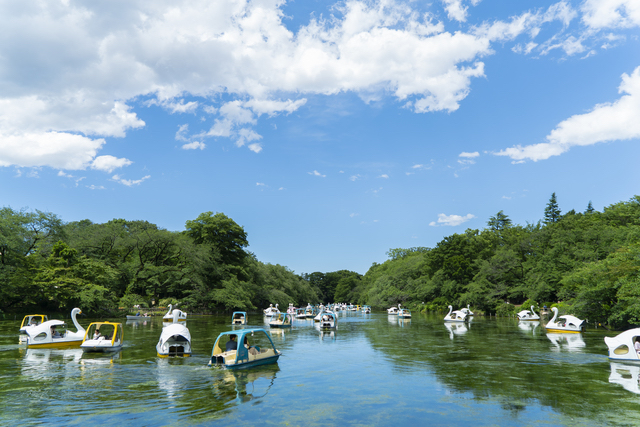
{"x":455,"y":316}
{"x":393,"y":310}
{"x":281,"y":320}
{"x":565,"y":324}
{"x":136,"y":317}
{"x":404,"y":313}
{"x":271,"y":311}
{"x":239,"y":318}
{"x":169,"y":316}
{"x":328,"y":320}
{"x":528,"y":315}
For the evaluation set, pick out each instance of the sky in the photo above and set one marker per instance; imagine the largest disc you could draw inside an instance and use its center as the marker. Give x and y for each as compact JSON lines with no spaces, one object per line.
{"x":331,"y":132}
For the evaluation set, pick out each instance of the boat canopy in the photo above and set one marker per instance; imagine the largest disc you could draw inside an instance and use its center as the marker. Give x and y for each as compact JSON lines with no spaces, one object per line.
{"x":33,"y":320}
{"x":111,"y":332}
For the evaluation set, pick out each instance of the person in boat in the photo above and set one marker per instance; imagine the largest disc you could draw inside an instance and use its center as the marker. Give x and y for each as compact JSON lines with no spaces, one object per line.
{"x":138,"y":314}
{"x":55,"y":333}
{"x":96,"y":334}
{"x":636,"y":345}
{"x":252,"y":350}
{"x":232,"y":344}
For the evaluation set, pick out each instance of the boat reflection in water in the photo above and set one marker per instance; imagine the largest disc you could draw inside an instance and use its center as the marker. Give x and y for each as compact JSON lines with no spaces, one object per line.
{"x":528,"y":326}
{"x":49,"y":364}
{"x":570,"y":342}
{"x":456,"y":329}
{"x":627,"y":375}
{"x":404,"y":321}
{"x":327,"y":334}
{"x":245,"y":385}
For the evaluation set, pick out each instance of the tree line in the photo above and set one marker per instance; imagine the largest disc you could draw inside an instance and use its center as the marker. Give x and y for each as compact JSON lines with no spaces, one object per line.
{"x":586,"y":262}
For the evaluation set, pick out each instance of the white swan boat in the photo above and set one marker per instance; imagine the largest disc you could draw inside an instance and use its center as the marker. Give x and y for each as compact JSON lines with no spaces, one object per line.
{"x":175,"y":340}
{"x":455,"y":316}
{"x":622,"y":346}
{"x":366,"y":309}
{"x":467,"y":310}
{"x":271,"y":311}
{"x":528,"y":315}
{"x":103,"y":337}
{"x":53,"y":333}
{"x":291,"y":310}
{"x":319,"y":315}
{"x":169,"y":316}
{"x":393,"y":310}
{"x":565,"y":324}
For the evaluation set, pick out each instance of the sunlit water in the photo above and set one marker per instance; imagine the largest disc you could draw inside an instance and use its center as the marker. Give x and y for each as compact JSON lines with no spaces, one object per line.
{"x":373,"y":370}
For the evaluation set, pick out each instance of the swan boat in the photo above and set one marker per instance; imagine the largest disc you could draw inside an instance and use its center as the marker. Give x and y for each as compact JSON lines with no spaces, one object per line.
{"x":366,"y":309}
{"x":310,"y":311}
{"x":622,"y":346}
{"x":566,"y":323}
{"x":455,"y":316}
{"x":393,"y":310}
{"x":319,"y":315}
{"x":239,"y":318}
{"x":271,"y":311}
{"x":256,"y":349}
{"x":103,"y":337}
{"x":404,"y":313}
{"x":328,"y":320}
{"x":528,"y":315}
{"x":467,"y":310}
{"x":53,"y":333}
{"x":175,"y":339}
{"x":291,"y":310}
{"x":169,"y":316}
{"x":281,"y":320}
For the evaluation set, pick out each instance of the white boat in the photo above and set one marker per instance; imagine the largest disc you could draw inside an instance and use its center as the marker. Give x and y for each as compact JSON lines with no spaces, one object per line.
{"x":366,"y":309}
{"x":103,"y":337}
{"x":31,"y":321}
{"x":319,"y":315}
{"x":282,"y":320}
{"x":565,"y":324}
{"x":309,"y":311}
{"x":393,"y":310}
{"x":328,"y":320}
{"x":455,"y":316}
{"x":622,"y":346}
{"x":300,"y":314}
{"x":467,"y":310}
{"x":625,"y":375}
{"x":175,"y":340}
{"x":53,"y":334}
{"x":291,"y":310}
{"x":271,"y":311}
{"x":528,"y":315}
{"x":169,"y":316}
{"x":404,"y":313}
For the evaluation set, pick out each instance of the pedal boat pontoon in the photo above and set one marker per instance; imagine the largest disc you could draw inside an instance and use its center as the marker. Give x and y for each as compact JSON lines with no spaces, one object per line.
{"x":566,"y":324}
{"x":455,"y":316}
{"x":239,"y":318}
{"x":43,"y":336}
{"x":109,"y":337}
{"x":528,"y":315}
{"x":622,"y":346}
{"x":246,"y":355}
{"x":169,"y":316}
{"x":281,"y":320}
{"x":175,"y":340}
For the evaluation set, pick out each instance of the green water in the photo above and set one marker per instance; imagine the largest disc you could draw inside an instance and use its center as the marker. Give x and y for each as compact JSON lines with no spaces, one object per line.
{"x":373,"y":370}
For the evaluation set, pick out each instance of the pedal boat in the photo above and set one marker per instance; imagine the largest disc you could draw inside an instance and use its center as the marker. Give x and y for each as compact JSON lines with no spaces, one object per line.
{"x":455,"y":316}
{"x":32,"y":320}
{"x":110,"y":337}
{"x":271,"y":311}
{"x":281,"y":320}
{"x":467,"y":310}
{"x":41,"y":336}
{"x":291,"y":310}
{"x":246,"y":354}
{"x":300,"y":313}
{"x":366,"y":309}
{"x":239,"y":318}
{"x":525,"y":315}
{"x":319,"y":315}
{"x":328,"y":320}
{"x":565,"y":324}
{"x":404,"y":313}
{"x":175,"y":340}
{"x":393,"y":310}
{"x":622,"y":346}
{"x":169,"y":316}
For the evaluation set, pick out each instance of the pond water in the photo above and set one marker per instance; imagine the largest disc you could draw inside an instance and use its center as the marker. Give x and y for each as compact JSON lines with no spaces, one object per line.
{"x":373,"y":370}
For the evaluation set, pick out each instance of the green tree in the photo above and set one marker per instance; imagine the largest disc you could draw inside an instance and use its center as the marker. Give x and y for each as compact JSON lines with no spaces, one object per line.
{"x":552,"y":211}
{"x":223,"y":233}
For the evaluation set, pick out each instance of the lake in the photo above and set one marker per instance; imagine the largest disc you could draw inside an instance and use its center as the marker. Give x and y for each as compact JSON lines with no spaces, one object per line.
{"x":373,"y":370}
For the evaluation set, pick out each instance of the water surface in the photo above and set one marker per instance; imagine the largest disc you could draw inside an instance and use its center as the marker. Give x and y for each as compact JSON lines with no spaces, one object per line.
{"x":373,"y":370}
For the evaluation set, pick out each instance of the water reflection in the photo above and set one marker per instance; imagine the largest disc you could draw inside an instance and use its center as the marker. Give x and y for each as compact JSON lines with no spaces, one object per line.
{"x":328,"y":335}
{"x":245,"y":385}
{"x":456,"y":329}
{"x":49,"y":363}
{"x":137,"y":323}
{"x":528,"y":327}
{"x":627,"y":375}
{"x":570,"y":342}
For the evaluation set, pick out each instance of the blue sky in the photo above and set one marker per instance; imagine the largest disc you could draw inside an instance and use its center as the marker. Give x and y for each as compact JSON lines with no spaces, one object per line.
{"x":331,"y":132}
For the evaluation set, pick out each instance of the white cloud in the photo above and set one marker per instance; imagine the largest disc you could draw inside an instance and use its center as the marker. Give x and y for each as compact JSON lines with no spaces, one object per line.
{"x":606,"y":122}
{"x":451,"y":220}
{"x":455,"y":10}
{"x":95,"y":187}
{"x":600,"y":14}
{"x":109,"y":163}
{"x":467,"y":158}
{"x":195,"y":145}
{"x":316,"y":173}
{"x":355,"y":177}
{"x":181,"y":134}
{"x":128,"y":182}
{"x":384,"y":175}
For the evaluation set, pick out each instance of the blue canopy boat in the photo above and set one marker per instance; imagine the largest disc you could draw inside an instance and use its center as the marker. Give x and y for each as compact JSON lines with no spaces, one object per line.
{"x":244,"y":348}
{"x":239,"y":318}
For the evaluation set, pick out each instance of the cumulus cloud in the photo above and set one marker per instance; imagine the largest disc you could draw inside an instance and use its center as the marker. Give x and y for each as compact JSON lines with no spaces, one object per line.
{"x":606,"y":122}
{"x":109,"y":163}
{"x":451,"y":220}
{"x":195,"y":145}
{"x":129,"y":182}
{"x":316,"y":173}
{"x":600,"y":14}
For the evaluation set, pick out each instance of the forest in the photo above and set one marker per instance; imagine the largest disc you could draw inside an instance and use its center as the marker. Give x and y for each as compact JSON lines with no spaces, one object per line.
{"x":585,"y":263}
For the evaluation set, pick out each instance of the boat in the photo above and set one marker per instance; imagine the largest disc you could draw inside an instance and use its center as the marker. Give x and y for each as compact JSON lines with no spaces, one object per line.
{"x":467,"y":310}
{"x":169,"y":316}
{"x":366,"y":309}
{"x":32,"y":320}
{"x":239,"y":318}
{"x":393,"y":310}
{"x":103,"y":337}
{"x":300,"y":313}
{"x":54,"y":334}
{"x":528,"y":315}
{"x":622,"y":346}
{"x":404,"y":313}
{"x":455,"y":316}
{"x":565,"y":324}
{"x":319,"y":315}
{"x":309,"y":312}
{"x":271,"y":311}
{"x":328,"y":320}
{"x":281,"y":320}
{"x":291,"y":310}
{"x":175,"y":340}
{"x":256,"y":349}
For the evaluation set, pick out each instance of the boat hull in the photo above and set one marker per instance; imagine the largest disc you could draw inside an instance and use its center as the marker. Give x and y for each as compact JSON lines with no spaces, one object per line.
{"x":257,"y":362}
{"x":56,"y":344}
{"x":564,"y":331}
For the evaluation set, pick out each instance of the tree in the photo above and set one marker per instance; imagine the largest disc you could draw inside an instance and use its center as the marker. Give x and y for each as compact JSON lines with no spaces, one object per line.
{"x":223,"y":233}
{"x":499,"y":222}
{"x":552,"y":211}
{"x":590,"y":208}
